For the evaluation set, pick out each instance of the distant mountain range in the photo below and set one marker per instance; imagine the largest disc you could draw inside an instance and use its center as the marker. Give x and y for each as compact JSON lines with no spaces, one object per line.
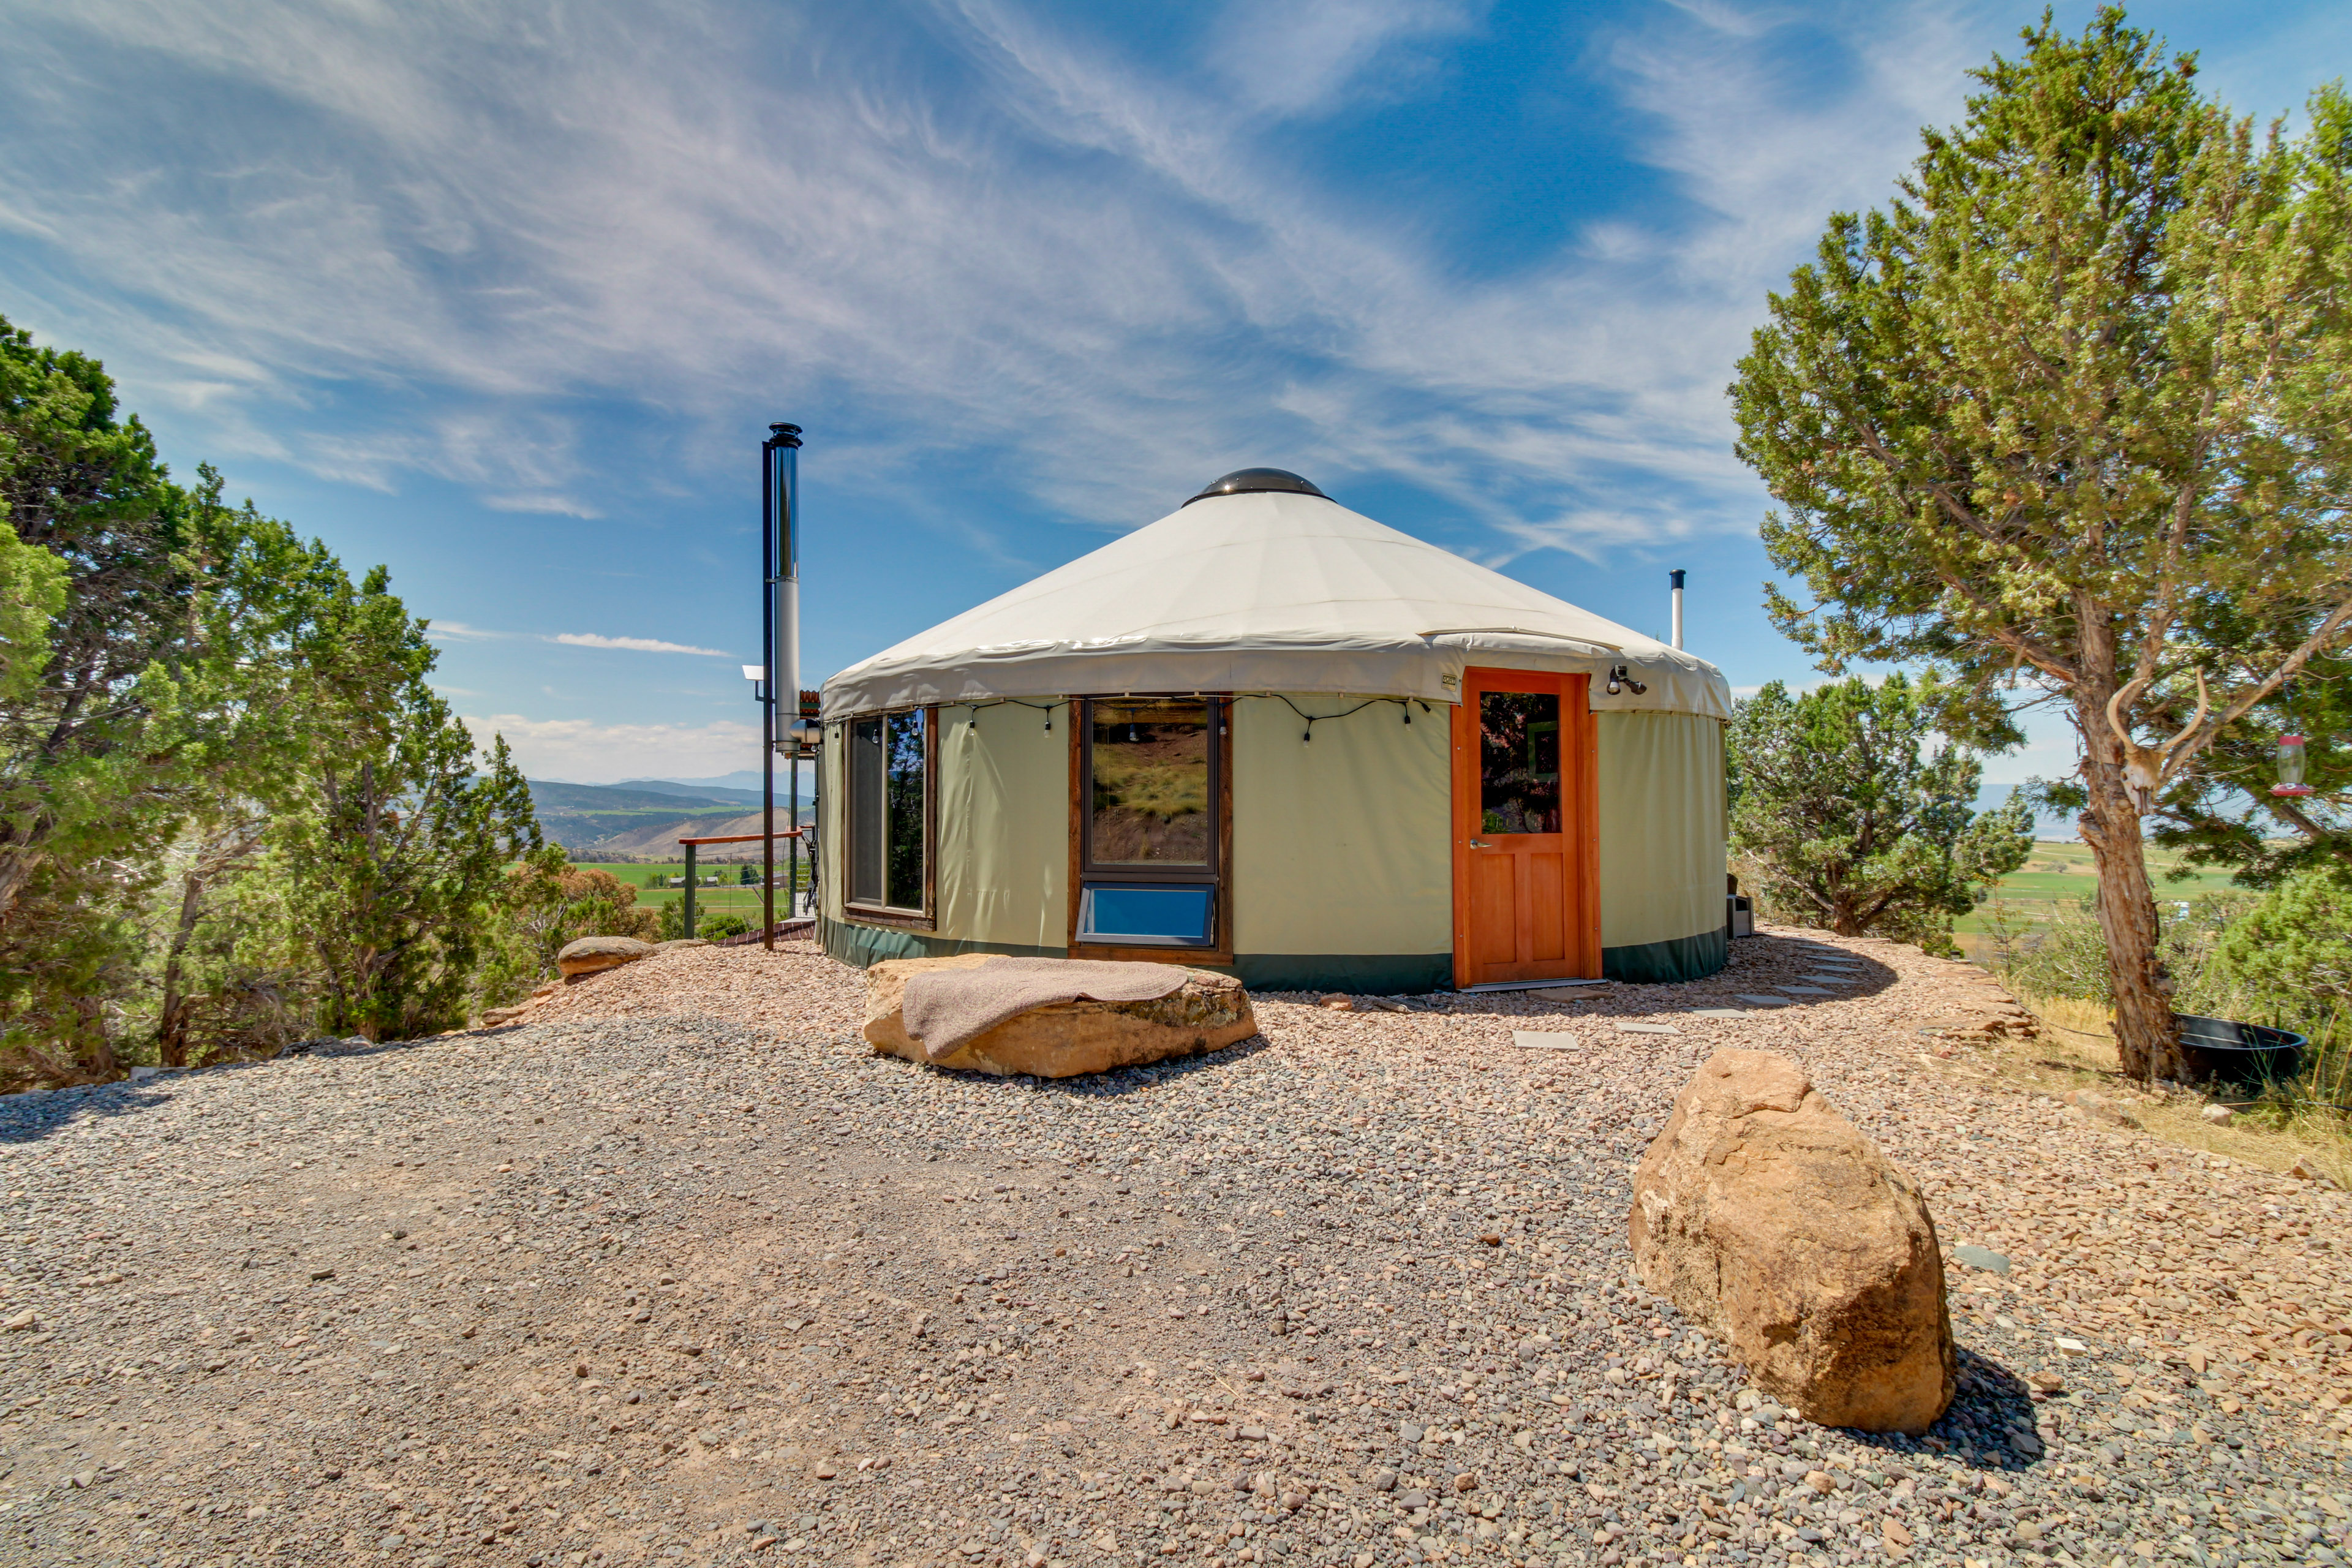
{"x":644,"y":818}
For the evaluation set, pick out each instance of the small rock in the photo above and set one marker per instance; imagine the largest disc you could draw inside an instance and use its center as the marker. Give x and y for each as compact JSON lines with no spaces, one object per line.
{"x":1337,"y":1003}
{"x":2218,"y":1115}
{"x":21,"y":1322}
{"x":2098,"y":1107}
{"x":1383,"y":1480}
{"x":826,"y":1471}
{"x":1466,"y":1483}
{"x":1983,"y":1258}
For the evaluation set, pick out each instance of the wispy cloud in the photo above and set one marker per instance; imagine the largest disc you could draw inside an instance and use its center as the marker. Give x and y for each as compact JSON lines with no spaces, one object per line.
{"x":458,"y":631}
{"x":590,"y":752}
{"x":634,"y":644}
{"x":1053,"y":260}
{"x":1303,"y":56}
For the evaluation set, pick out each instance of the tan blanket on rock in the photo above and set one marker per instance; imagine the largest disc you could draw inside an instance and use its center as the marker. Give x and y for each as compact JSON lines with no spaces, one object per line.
{"x":948,"y":1008}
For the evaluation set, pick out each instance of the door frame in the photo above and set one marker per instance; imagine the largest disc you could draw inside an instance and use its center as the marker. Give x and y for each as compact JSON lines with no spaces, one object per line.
{"x":1580,"y":810}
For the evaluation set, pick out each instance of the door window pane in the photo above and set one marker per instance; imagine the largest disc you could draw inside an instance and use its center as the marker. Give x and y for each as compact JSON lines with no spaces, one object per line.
{"x":1519,"y":764}
{"x":903,"y":765}
{"x":1150,"y":795}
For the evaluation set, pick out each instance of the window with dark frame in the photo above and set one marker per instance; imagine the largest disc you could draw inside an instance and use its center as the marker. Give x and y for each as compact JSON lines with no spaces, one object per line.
{"x":889,"y":790}
{"x":1150,"y":854}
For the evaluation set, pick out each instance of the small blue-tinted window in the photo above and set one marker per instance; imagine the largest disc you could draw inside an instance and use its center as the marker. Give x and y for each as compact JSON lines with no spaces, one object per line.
{"x":1174,"y":916}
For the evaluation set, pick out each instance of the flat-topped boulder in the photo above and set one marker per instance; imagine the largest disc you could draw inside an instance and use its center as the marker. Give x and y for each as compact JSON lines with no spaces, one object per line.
{"x":1200,"y":1011}
{"x":1766,"y":1216}
{"x":595,"y":954}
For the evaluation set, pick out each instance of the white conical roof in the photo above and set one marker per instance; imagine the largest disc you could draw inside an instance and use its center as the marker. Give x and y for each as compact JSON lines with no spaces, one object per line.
{"x":1268,"y":590}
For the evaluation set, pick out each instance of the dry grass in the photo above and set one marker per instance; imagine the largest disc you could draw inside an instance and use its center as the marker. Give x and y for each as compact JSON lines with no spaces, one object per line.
{"x":2077,"y":1051}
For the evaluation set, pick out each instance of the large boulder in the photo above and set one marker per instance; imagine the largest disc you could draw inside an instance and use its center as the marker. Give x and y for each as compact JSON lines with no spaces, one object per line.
{"x":1062,"y":1040}
{"x":593,"y":954}
{"x":1765,"y":1216}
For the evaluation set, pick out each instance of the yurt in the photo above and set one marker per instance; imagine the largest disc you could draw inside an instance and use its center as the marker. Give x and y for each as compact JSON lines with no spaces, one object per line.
{"x":1269,"y":735}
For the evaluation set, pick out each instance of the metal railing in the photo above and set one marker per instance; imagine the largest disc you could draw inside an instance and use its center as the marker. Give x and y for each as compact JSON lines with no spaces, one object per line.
{"x":692,"y":878}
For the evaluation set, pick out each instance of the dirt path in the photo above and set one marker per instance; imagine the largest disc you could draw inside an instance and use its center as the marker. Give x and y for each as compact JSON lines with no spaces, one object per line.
{"x":678,"y":1271}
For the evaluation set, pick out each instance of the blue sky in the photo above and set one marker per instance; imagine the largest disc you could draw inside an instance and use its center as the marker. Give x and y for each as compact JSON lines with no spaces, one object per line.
{"x":506,"y":296}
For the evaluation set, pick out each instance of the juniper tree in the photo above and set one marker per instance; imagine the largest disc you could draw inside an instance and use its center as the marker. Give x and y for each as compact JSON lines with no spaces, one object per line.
{"x":2088,"y":373}
{"x":1861,"y":817}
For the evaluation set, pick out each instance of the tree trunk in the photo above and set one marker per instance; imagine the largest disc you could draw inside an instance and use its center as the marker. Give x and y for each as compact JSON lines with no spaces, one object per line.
{"x":2147,"y":1039}
{"x":172,"y":1021}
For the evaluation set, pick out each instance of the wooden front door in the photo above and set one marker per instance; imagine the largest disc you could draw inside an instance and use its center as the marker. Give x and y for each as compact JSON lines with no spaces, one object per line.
{"x":1526,"y":878}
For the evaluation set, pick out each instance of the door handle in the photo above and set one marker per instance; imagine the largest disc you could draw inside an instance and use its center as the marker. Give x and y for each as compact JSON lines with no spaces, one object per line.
{"x":1480,"y":844}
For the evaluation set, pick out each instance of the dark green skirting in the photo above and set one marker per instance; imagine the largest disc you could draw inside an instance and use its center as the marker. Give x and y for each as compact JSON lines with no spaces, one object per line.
{"x":1379,"y":975}
{"x":1374,"y":975}
{"x":1677,"y":959}
{"x":859,"y":945}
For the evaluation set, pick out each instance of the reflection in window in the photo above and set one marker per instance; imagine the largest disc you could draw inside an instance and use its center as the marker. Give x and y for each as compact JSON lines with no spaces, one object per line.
{"x":1518,"y":763}
{"x":887,"y":782}
{"x":1151,"y":786}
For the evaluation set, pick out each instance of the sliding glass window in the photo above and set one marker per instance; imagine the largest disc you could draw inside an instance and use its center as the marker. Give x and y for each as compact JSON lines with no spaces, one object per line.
{"x":889,"y":812}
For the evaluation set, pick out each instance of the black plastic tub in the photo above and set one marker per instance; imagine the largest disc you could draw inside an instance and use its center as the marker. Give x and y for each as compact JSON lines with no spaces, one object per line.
{"x":2225,"y":1052}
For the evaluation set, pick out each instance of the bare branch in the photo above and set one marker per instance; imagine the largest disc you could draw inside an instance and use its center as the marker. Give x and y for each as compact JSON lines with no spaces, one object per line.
{"x":2336,"y":622}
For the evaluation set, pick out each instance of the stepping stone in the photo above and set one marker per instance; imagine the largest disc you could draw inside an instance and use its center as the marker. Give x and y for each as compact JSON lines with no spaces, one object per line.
{"x":1764,"y":1000}
{"x":1831,"y":979}
{"x":1630,"y":1028}
{"x":1721,"y":1012}
{"x":1983,"y":1258}
{"x":1534,"y":1040}
{"x":1803,"y":990}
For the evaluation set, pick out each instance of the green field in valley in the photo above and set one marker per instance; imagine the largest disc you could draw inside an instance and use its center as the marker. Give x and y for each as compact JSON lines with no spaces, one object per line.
{"x":727,"y":896}
{"x":2060,"y":872}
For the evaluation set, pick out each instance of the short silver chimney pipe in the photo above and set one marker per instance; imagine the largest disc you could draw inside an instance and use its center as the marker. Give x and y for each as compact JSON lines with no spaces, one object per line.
{"x":1675,"y":578}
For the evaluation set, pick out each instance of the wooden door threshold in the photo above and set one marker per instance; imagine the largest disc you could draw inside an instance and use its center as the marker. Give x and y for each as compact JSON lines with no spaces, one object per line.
{"x":1527,"y":985}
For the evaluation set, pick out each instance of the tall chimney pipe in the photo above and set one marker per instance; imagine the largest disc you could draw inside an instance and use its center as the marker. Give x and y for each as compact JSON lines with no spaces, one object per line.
{"x":780,"y":637}
{"x":1675,"y":578}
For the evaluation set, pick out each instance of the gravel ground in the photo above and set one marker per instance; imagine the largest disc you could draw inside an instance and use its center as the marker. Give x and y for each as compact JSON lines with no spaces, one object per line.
{"x":678,"y":1271}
